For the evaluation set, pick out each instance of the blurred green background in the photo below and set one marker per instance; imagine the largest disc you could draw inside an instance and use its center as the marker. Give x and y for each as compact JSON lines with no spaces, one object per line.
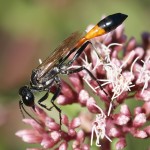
{"x":30,"y":29}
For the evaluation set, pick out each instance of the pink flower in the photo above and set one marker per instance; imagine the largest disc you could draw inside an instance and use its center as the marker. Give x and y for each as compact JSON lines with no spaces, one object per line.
{"x":47,"y":132}
{"x":125,"y":77}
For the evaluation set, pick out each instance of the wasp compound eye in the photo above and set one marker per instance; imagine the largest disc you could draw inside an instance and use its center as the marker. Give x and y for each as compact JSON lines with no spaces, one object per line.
{"x":27,"y":96}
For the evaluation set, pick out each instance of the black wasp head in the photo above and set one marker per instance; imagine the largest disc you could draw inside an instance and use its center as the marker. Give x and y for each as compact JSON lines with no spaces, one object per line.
{"x":27,"y":96}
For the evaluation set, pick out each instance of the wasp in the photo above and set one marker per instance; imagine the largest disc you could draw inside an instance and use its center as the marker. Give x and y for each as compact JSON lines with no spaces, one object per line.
{"x":46,"y":74}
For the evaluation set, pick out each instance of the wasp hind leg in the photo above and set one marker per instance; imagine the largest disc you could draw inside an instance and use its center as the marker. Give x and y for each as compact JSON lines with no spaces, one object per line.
{"x":91,"y":75}
{"x":77,"y":54}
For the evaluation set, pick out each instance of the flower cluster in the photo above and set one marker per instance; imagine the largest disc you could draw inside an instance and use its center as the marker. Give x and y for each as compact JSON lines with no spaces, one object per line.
{"x":123,"y":70}
{"x":47,"y":132}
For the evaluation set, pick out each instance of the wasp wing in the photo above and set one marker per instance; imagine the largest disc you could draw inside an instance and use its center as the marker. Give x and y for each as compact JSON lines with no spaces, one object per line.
{"x":61,"y":51}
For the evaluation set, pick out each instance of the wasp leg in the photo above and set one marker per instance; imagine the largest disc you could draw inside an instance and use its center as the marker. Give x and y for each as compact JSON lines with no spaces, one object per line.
{"x":61,"y":61}
{"x":58,"y":90}
{"x":54,"y":105}
{"x":78,"y":53}
{"x":91,"y":75}
{"x":52,"y":100}
{"x":43,"y":99}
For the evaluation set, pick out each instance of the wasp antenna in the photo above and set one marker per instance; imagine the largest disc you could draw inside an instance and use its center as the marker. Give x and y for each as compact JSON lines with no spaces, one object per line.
{"x":23,"y":109}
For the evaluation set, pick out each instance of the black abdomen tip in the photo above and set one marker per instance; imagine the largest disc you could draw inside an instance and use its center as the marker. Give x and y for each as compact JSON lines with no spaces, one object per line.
{"x":120,"y":15}
{"x":112,"y":22}
{"x":118,"y":18}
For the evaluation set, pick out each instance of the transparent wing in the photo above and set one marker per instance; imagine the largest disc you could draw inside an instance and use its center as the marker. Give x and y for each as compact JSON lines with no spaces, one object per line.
{"x":67,"y":45}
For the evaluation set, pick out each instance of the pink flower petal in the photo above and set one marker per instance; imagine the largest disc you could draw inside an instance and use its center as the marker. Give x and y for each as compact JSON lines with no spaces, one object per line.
{"x":114,"y":132}
{"x":145,"y":95}
{"x":80,"y":136}
{"x":75,"y":145}
{"x":63,"y":146}
{"x":67,"y":90}
{"x":29,"y":136}
{"x":121,"y":144}
{"x":55,"y":136}
{"x":53,"y":126}
{"x":146,"y":107}
{"x":34,"y":124}
{"x":90,"y":105}
{"x":76,"y":122}
{"x":147,"y":130}
{"x":47,"y":143}
{"x":121,"y":119}
{"x":83,"y":97}
{"x":125,"y":110}
{"x":138,"y":110}
{"x":62,"y":100}
{"x":65,"y":120}
{"x":40,"y":112}
{"x":140,"y":134}
{"x":139,"y":120}
{"x":76,"y":82}
{"x":131,"y":44}
{"x":85,"y":147}
{"x":71,"y":132}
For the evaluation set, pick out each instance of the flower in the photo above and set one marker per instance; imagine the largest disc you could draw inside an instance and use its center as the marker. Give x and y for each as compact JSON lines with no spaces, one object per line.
{"x":47,"y":132}
{"x":99,"y":127}
{"x":144,"y":74}
{"x":122,"y":69}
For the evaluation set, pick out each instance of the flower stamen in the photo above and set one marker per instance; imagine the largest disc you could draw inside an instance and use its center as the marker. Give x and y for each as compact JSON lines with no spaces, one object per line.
{"x":99,"y":127}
